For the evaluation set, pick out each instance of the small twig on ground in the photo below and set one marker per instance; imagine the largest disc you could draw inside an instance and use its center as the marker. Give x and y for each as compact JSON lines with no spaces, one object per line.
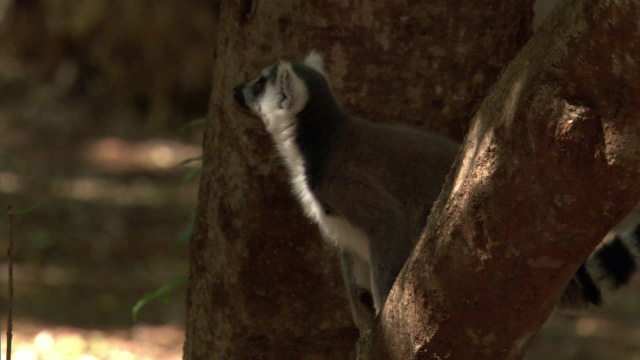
{"x":10,"y":303}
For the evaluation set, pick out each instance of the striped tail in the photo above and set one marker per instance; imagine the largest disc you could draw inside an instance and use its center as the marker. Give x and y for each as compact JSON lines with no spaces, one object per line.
{"x":609,"y":267}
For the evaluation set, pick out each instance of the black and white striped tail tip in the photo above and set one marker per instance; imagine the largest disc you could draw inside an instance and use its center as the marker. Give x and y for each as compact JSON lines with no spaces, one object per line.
{"x":581,"y":292}
{"x":609,"y":267}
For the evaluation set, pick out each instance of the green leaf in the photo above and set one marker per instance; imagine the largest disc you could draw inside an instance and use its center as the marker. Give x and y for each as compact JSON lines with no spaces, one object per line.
{"x":163,"y":290}
{"x":192,"y":174}
{"x":25,"y":211}
{"x":193,"y":123}
{"x":186,"y":233}
{"x":190,"y":160}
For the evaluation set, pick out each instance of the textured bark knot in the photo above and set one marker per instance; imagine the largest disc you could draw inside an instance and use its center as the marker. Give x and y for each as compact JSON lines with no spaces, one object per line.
{"x":578,"y":129}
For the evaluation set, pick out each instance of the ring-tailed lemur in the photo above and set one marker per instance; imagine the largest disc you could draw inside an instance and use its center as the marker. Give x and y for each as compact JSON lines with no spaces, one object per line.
{"x":370,"y":187}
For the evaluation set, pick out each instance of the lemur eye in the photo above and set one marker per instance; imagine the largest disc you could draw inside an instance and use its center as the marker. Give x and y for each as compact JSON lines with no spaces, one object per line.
{"x":259,"y":85}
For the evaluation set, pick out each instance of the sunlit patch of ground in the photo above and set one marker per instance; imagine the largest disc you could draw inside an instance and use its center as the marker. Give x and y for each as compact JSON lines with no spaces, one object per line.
{"x":113,"y":209}
{"x":32,"y":341}
{"x":119,"y":155}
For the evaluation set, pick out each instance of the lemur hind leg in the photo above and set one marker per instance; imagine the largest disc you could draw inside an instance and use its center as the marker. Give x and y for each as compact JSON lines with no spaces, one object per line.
{"x":357,"y":275}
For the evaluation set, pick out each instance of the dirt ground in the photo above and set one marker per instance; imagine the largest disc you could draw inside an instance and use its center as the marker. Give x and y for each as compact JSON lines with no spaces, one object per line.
{"x":113,"y":207}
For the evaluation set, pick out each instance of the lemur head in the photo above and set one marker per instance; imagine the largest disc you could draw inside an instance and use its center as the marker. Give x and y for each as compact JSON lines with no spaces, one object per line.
{"x":283,"y":91}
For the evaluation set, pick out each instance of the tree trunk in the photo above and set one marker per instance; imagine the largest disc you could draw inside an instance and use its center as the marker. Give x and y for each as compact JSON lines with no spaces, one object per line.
{"x":551,"y":163}
{"x":262,"y":285}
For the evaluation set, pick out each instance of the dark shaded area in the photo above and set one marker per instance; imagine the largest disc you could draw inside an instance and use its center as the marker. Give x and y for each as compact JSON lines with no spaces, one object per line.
{"x":149,"y":61}
{"x":93,"y":99}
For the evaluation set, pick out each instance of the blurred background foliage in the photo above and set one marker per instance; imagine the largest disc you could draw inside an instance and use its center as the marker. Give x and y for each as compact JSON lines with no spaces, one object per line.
{"x":94,"y":98}
{"x":145,"y":59}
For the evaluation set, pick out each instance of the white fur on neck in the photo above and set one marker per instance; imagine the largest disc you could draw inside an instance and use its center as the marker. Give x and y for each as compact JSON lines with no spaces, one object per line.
{"x":280,"y":119}
{"x":335,"y":228}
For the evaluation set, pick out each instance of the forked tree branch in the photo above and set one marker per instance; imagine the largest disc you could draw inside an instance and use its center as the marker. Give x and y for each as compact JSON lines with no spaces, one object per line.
{"x":550,"y":165}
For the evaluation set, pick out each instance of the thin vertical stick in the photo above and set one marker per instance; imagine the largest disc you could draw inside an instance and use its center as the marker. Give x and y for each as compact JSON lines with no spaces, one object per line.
{"x":10,"y":304}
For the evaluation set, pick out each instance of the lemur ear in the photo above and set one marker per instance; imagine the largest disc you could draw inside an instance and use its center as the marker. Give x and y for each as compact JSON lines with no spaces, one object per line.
{"x":315,"y":61}
{"x":289,"y":85}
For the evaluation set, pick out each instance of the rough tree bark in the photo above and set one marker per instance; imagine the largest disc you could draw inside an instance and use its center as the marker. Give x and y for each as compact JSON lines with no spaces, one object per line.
{"x":550,"y":165}
{"x":261,"y":284}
